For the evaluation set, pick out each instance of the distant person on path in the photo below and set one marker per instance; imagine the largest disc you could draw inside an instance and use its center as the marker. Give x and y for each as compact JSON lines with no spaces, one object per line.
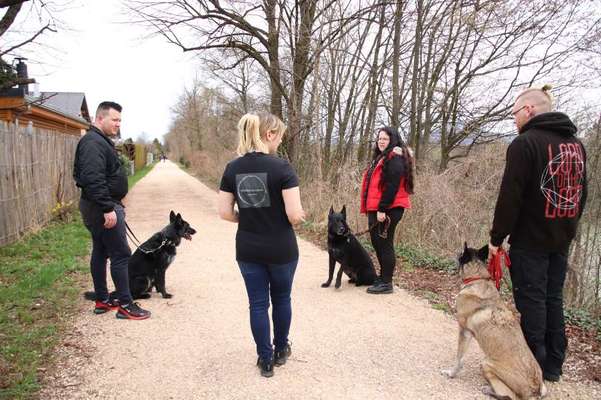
{"x":385,"y":190}
{"x":103,"y":182}
{"x":541,"y":199}
{"x":265,"y":188}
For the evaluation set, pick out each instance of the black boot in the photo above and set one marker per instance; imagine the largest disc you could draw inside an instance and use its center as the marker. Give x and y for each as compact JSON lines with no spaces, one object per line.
{"x":280,"y":356}
{"x":266,"y":367}
{"x":381,"y":288}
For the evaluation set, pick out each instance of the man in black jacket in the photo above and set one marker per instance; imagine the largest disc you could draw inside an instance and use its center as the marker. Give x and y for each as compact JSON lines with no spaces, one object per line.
{"x":103,"y":182}
{"x":542,"y":197}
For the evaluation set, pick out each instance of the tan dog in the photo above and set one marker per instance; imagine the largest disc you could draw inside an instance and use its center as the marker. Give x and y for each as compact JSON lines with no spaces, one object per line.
{"x":509,"y":367}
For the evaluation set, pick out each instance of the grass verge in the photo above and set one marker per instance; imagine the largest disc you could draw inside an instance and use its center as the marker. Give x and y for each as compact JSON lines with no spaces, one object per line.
{"x":39,"y":291}
{"x":38,"y":278}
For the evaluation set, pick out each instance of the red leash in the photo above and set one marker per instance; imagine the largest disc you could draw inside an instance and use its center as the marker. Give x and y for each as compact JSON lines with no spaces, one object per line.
{"x":495,"y":269}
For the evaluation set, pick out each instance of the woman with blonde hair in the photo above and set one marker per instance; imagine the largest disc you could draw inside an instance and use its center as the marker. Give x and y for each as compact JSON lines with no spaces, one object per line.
{"x":265,"y":188}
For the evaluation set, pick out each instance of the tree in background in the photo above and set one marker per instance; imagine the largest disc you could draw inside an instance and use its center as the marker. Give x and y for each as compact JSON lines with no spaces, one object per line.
{"x":21,"y":25}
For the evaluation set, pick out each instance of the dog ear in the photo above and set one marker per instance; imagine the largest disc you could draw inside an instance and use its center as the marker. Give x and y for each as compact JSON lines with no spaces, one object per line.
{"x":178,"y":217}
{"x":465,"y":257}
{"x":483,"y":253}
{"x":171,"y":217}
{"x":331,"y":210}
{"x":343,"y":211}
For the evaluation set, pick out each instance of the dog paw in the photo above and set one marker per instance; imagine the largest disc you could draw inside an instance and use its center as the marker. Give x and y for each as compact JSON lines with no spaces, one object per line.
{"x":143,"y":296}
{"x":167,"y":295}
{"x":337,"y":285}
{"x":325,"y":284}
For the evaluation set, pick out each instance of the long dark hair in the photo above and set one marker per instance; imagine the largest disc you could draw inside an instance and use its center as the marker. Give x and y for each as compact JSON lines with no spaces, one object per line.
{"x":407,"y":159}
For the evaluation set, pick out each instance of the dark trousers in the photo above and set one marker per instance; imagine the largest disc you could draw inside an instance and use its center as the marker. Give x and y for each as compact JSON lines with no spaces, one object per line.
{"x":261,"y":280}
{"x":384,"y":247}
{"x":108,"y":244}
{"x":537,"y":280}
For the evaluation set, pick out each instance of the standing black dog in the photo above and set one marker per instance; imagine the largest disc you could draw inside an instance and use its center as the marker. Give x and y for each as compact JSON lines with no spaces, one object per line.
{"x":149,"y":262}
{"x":344,"y":247}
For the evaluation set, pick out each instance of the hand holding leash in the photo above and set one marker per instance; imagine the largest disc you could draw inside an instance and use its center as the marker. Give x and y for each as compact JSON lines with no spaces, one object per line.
{"x":495,"y":269}
{"x":381,"y":216}
{"x":492,"y":251}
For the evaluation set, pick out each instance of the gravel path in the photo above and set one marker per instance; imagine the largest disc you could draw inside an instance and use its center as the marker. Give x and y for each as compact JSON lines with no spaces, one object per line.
{"x":198,"y":345}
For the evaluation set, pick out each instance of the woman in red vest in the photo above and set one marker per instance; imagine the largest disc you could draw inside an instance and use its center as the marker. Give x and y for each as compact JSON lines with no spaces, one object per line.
{"x":385,"y":190}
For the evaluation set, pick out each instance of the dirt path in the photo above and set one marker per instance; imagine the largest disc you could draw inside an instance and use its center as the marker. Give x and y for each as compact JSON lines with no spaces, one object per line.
{"x":198,"y":345}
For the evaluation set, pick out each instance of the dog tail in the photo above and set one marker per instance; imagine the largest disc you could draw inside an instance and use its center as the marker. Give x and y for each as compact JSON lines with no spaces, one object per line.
{"x":89,"y":296}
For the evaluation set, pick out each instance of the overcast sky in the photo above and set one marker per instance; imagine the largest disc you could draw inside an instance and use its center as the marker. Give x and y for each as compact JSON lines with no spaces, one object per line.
{"x":108,"y":59}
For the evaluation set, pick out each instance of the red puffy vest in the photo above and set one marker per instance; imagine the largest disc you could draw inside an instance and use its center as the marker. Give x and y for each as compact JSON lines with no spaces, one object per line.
{"x":374,"y":194}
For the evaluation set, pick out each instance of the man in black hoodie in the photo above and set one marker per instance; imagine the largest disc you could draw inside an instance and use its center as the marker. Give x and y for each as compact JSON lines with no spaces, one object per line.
{"x":542,"y":196}
{"x":101,"y":177}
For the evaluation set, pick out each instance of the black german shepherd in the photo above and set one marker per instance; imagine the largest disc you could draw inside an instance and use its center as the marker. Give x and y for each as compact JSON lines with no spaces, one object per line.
{"x":149,"y":262}
{"x":344,"y":247}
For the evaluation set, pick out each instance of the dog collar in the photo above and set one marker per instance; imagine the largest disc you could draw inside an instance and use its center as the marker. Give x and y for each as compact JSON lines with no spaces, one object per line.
{"x":473,"y":279}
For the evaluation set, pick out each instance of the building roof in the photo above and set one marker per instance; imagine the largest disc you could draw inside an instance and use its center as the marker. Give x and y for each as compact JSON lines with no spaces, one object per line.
{"x":69,"y":103}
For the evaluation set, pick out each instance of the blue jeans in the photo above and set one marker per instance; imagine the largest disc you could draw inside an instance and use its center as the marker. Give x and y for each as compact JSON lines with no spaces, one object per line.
{"x":108,"y":243}
{"x":261,"y":280}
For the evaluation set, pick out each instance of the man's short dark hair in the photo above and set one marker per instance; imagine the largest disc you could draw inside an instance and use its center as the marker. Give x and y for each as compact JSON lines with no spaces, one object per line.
{"x":105,"y":106}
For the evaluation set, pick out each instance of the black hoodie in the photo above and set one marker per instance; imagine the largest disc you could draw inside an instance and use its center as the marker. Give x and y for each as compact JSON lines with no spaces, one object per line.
{"x":543,"y":191}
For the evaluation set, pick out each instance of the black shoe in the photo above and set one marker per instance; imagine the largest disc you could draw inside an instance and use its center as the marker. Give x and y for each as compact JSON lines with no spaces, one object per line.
{"x":550,"y":377}
{"x":280,"y":356}
{"x":377,"y":281}
{"x":382,"y":288}
{"x":132,"y":311}
{"x":266,"y":367}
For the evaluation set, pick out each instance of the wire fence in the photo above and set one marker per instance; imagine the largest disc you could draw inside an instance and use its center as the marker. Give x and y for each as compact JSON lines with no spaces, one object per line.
{"x":35,"y":177}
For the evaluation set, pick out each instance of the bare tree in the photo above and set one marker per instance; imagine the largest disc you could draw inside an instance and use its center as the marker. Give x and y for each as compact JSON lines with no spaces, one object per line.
{"x":39,"y":17}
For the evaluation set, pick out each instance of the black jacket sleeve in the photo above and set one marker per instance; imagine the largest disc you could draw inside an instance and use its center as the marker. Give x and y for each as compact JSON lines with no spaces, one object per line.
{"x":92,"y":175}
{"x":392,"y":180}
{"x":518,"y":167}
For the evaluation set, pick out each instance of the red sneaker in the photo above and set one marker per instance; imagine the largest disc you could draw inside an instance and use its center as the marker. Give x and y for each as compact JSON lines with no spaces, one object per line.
{"x":104,"y":306}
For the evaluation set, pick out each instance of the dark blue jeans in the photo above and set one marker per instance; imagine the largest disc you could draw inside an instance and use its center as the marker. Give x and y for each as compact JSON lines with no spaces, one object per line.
{"x":108,"y":243}
{"x":261,"y":280}
{"x":537,"y":279}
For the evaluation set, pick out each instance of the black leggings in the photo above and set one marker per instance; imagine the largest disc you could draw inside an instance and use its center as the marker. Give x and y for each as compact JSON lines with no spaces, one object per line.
{"x":385,"y":247}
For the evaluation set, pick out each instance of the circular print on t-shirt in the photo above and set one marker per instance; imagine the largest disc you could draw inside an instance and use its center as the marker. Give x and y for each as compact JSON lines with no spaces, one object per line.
{"x":252,"y":190}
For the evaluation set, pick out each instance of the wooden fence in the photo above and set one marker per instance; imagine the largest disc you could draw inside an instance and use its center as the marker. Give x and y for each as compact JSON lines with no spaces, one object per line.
{"x":36,"y":175}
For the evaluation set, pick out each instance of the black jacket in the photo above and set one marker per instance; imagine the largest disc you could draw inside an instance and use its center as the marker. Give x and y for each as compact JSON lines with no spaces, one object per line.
{"x":98,"y":171}
{"x":543,"y":191}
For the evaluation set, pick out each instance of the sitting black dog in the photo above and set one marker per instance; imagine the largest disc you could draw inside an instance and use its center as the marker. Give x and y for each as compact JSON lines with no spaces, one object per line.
{"x":344,"y":247}
{"x":149,"y":262}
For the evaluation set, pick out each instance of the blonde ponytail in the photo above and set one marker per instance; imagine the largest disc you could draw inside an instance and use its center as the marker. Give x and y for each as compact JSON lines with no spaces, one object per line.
{"x":252,"y":130}
{"x":249,"y":135}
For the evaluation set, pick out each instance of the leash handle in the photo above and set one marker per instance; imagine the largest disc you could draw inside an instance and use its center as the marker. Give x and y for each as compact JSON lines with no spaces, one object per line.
{"x":495,"y":268}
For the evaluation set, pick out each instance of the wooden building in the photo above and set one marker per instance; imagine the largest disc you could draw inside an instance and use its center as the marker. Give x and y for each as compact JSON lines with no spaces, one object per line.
{"x":64,"y":112}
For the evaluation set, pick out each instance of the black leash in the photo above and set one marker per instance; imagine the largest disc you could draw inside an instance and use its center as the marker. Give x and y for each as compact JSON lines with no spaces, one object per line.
{"x":131,"y":235}
{"x":383,"y":234}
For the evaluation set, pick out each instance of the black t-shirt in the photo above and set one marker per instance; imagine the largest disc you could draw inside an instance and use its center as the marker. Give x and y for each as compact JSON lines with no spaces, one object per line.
{"x":264,"y":233}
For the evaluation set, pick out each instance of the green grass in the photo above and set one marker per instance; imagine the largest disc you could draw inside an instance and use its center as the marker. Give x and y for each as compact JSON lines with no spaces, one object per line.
{"x":419,"y":258}
{"x":39,"y":289}
{"x":133,"y":179}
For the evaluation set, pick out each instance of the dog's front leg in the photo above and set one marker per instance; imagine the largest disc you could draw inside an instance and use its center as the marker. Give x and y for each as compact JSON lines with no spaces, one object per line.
{"x":160,"y":284}
{"x":465,"y":337}
{"x":339,"y":277}
{"x":330,"y":272}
